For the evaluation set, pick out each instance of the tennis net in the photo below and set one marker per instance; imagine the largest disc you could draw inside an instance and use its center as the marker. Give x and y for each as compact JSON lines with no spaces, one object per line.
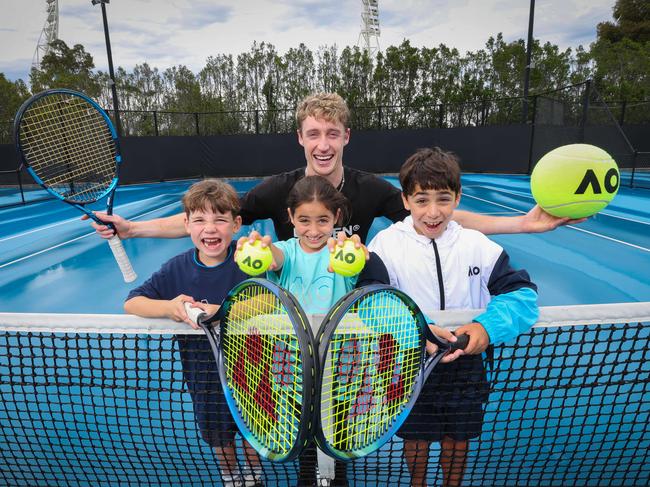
{"x":103,"y":400}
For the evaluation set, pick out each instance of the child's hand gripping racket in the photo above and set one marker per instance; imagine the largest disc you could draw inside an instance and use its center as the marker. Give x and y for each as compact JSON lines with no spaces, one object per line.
{"x":374,"y":364}
{"x":263,"y":346}
{"x":70,"y":147}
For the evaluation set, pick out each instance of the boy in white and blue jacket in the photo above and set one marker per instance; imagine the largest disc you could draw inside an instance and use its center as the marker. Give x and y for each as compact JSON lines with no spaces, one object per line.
{"x":442,"y":265}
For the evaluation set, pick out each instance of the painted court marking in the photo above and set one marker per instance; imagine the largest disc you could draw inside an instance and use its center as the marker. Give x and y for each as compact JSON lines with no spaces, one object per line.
{"x":599,"y":235}
{"x":34,"y":254}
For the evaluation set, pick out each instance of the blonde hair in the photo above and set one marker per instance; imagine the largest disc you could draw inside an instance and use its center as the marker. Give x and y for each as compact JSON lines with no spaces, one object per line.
{"x":329,"y":106}
{"x":214,"y":194}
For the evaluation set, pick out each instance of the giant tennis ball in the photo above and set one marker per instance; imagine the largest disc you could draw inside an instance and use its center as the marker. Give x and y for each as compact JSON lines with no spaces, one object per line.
{"x":576,"y":180}
{"x":254,"y":259}
{"x":347,"y":260}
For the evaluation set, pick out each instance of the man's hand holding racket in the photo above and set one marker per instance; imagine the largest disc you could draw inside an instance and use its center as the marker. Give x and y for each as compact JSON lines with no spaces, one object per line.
{"x":121,"y":226}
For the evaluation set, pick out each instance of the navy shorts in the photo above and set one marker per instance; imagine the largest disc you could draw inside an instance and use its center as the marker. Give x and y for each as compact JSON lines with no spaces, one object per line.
{"x":450,"y":403}
{"x":201,"y":375}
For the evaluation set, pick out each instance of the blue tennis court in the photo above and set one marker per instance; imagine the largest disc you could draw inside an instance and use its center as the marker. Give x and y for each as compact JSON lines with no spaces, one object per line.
{"x":569,"y":404}
{"x":53,"y":262}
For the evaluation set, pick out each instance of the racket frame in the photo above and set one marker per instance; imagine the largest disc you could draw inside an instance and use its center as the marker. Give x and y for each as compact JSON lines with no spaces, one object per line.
{"x":114,"y":242}
{"x":426,"y":364}
{"x":216,"y":326}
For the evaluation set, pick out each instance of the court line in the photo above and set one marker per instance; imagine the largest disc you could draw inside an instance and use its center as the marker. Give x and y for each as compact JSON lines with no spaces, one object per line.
{"x":76,"y":219}
{"x":533,"y":199}
{"x":76,"y":238}
{"x":600,"y":235}
{"x":44,"y":250}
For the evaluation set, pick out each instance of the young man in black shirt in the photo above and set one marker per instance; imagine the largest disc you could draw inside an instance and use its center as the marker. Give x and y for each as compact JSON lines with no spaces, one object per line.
{"x":323,"y":132}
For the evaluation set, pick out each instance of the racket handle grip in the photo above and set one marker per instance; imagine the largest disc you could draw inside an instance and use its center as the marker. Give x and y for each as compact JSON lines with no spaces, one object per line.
{"x":461,"y":342}
{"x":194,"y":314}
{"x":122,"y":259}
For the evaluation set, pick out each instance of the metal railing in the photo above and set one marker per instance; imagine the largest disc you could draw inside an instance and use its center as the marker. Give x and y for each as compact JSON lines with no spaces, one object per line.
{"x":559,"y":107}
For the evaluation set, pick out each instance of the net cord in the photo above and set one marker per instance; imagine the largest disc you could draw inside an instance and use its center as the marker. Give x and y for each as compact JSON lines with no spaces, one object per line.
{"x":549,"y":317}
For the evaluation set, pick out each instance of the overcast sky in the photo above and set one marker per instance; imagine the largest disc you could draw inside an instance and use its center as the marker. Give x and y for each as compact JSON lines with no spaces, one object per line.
{"x":165,"y":33}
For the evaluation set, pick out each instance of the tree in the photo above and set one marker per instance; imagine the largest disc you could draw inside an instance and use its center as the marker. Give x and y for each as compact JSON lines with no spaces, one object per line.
{"x":356,"y":83}
{"x":439,"y":83}
{"x":64,"y":67}
{"x":397,"y":78}
{"x":12,"y":95}
{"x":621,"y":53}
{"x":632,"y":22}
{"x":622,"y":69}
{"x":218,"y":80}
{"x":328,"y":70}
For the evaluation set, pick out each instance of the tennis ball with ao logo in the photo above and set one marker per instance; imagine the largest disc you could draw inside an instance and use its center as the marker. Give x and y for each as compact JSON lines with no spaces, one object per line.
{"x":576,"y":180}
{"x":254,"y":259}
{"x":348,"y":260}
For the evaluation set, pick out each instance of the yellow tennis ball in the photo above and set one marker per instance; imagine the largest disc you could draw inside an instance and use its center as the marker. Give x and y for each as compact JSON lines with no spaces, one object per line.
{"x":348,"y":260}
{"x":254,"y":259}
{"x":576,"y":180}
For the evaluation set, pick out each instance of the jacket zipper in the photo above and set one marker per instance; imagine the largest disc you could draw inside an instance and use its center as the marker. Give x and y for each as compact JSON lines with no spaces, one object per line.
{"x":441,"y":286}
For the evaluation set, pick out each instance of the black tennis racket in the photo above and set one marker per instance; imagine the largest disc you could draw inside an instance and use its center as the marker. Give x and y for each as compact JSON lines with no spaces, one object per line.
{"x":264,"y":349}
{"x":69,"y":146}
{"x":374,"y":364}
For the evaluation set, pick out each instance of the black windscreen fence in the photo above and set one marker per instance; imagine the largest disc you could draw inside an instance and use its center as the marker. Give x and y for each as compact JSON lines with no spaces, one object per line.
{"x":492,"y":149}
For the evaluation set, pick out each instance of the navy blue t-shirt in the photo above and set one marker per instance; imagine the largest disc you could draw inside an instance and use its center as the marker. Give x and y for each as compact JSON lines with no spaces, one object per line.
{"x":185,"y":274}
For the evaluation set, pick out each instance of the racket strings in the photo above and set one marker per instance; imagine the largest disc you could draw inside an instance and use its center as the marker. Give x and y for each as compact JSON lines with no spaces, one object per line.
{"x":371,"y":366}
{"x":69,"y":146}
{"x":263,"y":367}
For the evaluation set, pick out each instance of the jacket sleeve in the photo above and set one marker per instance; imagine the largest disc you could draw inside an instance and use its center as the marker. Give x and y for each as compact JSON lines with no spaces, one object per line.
{"x":374,"y":272}
{"x":513,"y":307}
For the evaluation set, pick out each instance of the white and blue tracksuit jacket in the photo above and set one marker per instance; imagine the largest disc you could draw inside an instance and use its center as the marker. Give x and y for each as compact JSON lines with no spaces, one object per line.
{"x":462,"y":269}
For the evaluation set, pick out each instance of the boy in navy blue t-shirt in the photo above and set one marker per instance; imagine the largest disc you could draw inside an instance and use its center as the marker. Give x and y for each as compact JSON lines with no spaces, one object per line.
{"x":201,"y":276}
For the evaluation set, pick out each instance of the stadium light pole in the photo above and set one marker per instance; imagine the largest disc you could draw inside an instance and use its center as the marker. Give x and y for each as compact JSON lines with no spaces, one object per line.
{"x":529,"y":49}
{"x":116,"y":107}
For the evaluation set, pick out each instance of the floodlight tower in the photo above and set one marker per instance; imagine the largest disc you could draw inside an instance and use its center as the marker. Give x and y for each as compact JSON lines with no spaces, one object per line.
{"x":49,"y":33}
{"x":369,"y":35}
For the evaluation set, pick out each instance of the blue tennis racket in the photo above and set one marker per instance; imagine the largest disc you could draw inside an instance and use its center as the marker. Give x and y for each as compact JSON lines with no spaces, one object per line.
{"x":374,"y":364}
{"x":69,"y":146}
{"x":263,"y":346}
{"x":353,"y":395}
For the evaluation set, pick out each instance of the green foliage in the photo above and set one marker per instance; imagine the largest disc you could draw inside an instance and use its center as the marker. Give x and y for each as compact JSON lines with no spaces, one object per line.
{"x":64,"y":67}
{"x":622,"y":52}
{"x":623,"y":69}
{"x":12,"y":95}
{"x":632,"y":22}
{"x":402,"y":86}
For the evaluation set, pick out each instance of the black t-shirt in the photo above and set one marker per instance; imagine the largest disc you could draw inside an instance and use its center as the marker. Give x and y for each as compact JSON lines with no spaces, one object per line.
{"x":369,"y":195}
